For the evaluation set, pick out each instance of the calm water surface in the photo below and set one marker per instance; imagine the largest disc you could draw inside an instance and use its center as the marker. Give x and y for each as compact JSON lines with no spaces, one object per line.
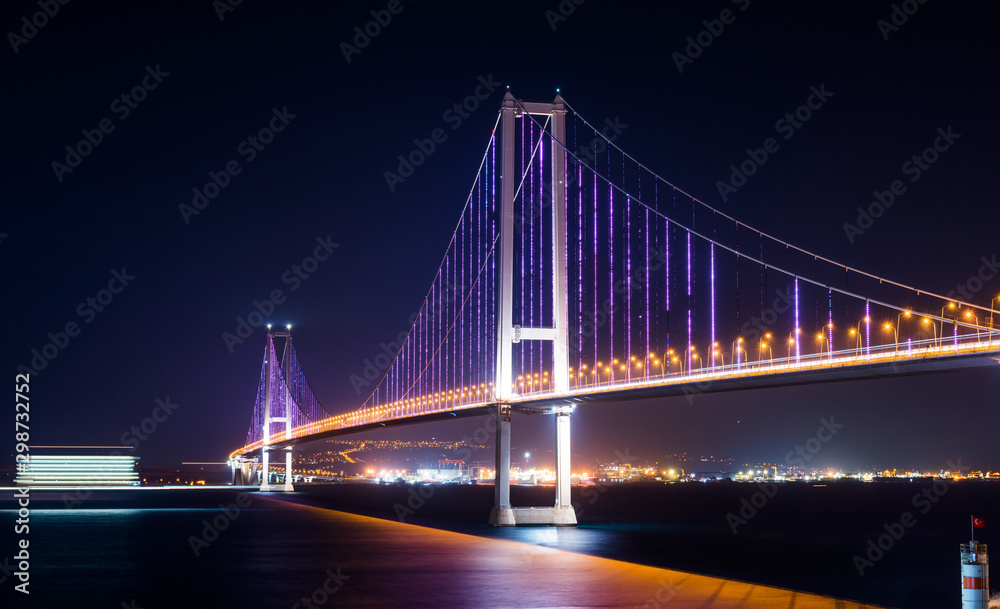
{"x":121,"y":546}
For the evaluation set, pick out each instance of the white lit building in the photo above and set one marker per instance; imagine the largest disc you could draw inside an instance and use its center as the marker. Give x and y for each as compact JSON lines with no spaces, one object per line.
{"x":78,"y":470}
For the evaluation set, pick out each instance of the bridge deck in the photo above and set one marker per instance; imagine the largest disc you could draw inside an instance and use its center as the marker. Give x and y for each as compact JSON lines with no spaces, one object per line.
{"x":886,"y":361}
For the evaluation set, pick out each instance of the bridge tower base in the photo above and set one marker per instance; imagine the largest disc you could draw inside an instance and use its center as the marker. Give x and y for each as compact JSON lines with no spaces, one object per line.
{"x":288,"y":488}
{"x":265,"y":474}
{"x":503,"y":514}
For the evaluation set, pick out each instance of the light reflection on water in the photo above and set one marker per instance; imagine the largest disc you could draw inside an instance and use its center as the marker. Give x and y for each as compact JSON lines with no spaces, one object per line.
{"x":271,"y":555}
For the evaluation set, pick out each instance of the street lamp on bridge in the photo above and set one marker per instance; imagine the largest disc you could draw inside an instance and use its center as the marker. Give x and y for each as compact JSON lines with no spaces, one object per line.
{"x":888,"y":326}
{"x":905,"y":313}
{"x":760,"y":354}
{"x":690,"y":360}
{"x":720,"y":355}
{"x":828,"y":337}
{"x":968,"y":315}
{"x":950,"y":305}
{"x":928,"y":322}
{"x":856,"y":331}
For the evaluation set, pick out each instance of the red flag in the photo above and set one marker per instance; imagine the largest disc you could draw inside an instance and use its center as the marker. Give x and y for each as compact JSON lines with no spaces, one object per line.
{"x":978,"y":523}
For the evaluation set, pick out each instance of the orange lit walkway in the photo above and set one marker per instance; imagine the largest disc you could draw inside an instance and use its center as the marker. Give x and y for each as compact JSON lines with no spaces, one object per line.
{"x":397,"y":565}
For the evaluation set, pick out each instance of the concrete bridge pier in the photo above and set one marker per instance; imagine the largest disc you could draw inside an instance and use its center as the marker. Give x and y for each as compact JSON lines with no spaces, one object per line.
{"x":502,"y":514}
{"x":563,"y":500}
{"x":265,"y":474}
{"x":288,"y":488}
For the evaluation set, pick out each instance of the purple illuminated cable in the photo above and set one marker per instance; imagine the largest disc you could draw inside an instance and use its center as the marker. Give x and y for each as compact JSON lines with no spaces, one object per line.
{"x":452,"y":339}
{"x":646,"y":282}
{"x":479,"y":263}
{"x":712,"y":289}
{"x":491,"y":348}
{"x":594,"y":263}
{"x":868,"y":329}
{"x":536,"y":311}
{"x":579,"y":263}
{"x":462,"y":318}
{"x":689,"y":332}
{"x":666,"y":277}
{"x":611,"y":274}
{"x":693,"y":251}
{"x":524,"y":224}
{"x":431,"y":336}
{"x":527,"y":350}
{"x":763,"y":279}
{"x":435,"y":332}
{"x":627,"y":268}
{"x":541,"y":256}
{"x":737,"y":281}
{"x":829,"y":295}
{"x":796,"y":332}
{"x":453,"y":297}
{"x":628,"y":281}
{"x":656,"y":245}
{"x":441,"y":369}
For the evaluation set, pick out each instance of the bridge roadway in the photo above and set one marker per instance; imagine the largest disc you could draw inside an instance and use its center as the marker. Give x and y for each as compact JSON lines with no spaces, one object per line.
{"x":849,"y":365}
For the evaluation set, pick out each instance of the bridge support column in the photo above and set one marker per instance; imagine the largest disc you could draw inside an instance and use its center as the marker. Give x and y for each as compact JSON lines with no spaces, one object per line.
{"x":265,"y":486}
{"x":288,"y":488}
{"x":564,"y":513}
{"x":502,"y":514}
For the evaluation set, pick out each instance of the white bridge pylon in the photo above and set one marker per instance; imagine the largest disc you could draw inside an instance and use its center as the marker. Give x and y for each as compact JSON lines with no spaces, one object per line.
{"x":562,"y":512}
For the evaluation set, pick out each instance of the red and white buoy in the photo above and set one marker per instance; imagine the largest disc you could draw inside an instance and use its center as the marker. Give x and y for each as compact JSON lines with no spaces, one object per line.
{"x":975,"y":576}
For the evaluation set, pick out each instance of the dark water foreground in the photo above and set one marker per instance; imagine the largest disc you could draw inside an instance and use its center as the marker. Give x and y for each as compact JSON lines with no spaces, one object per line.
{"x":178,"y":548}
{"x":804,"y":537}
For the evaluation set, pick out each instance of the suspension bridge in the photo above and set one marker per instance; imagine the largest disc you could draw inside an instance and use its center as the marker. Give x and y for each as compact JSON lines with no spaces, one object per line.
{"x":575,"y":274}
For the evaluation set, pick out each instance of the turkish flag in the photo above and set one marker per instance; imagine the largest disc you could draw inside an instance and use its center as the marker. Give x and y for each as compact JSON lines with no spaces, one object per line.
{"x":978,"y":523}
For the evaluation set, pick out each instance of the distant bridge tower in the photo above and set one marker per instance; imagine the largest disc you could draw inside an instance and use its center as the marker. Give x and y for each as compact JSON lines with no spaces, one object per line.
{"x":508,"y":334}
{"x":268,"y":419}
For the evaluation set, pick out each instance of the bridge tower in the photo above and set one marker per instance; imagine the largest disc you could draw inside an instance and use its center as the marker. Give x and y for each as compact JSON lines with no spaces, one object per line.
{"x":266,"y":449}
{"x":562,"y":513}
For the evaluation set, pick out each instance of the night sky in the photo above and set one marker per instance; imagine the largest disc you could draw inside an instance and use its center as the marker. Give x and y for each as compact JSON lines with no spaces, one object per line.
{"x":72,"y":227}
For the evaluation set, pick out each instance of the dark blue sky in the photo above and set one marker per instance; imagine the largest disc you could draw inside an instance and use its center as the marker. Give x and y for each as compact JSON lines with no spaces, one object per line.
{"x":206,"y":84}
